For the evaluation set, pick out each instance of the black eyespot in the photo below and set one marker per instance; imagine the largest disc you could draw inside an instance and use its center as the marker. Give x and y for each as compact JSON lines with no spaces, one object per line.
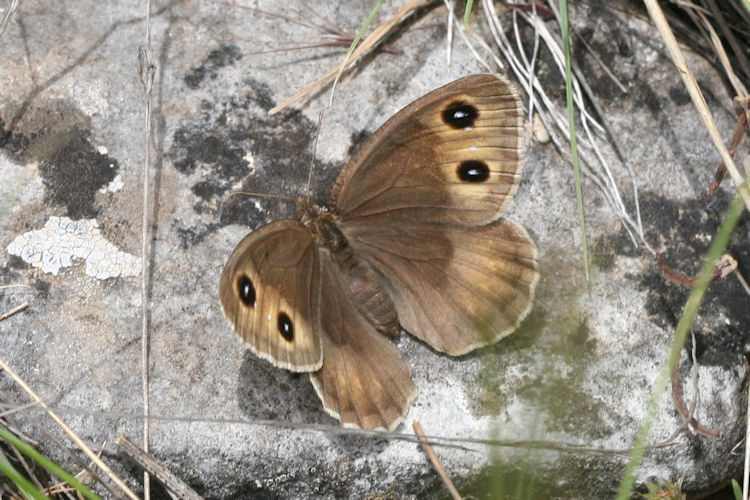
{"x":460,"y":115}
{"x":246,"y":290}
{"x":473,"y":171}
{"x":286,"y":328}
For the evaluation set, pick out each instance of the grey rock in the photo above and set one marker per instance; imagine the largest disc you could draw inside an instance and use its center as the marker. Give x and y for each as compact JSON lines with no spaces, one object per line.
{"x":578,"y":372}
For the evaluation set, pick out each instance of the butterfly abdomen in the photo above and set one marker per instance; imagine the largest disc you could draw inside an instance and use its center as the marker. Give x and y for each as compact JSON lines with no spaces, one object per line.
{"x":365,"y":288}
{"x":363,"y":285}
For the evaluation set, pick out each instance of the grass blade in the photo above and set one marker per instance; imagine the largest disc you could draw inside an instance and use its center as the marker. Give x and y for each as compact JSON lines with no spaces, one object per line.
{"x":355,"y":42}
{"x":467,"y":13}
{"x":565,"y":30}
{"x":46,"y":463}
{"x":23,"y":484}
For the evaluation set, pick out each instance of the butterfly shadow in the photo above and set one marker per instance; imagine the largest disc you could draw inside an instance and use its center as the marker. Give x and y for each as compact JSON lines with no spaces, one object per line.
{"x":265,"y":392}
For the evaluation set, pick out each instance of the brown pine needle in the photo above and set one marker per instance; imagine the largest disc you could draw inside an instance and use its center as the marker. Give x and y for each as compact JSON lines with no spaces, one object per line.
{"x":723,"y":267}
{"x":737,"y":136}
{"x":368,"y":43}
{"x":436,"y":461}
{"x":742,"y":281}
{"x":678,"y":399}
{"x":262,"y":195}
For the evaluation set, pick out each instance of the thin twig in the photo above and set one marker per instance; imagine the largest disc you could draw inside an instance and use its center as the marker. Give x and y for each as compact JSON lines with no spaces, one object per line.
{"x":746,"y":473}
{"x":152,"y":466}
{"x":449,"y":33}
{"x":595,"y":56}
{"x":16,"y":285}
{"x":13,"y":311}
{"x":436,"y":462}
{"x":69,"y":432}
{"x":14,"y":4}
{"x":336,"y":430}
{"x":722,"y":269}
{"x":11,"y":411}
{"x":678,"y":399}
{"x":738,"y":50}
{"x":721,"y":171}
{"x":146,"y":70}
{"x":742,"y":281}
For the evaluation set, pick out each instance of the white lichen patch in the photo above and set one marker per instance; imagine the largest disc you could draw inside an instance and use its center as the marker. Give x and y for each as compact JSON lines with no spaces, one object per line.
{"x":62,"y":240}
{"x":114,"y":185}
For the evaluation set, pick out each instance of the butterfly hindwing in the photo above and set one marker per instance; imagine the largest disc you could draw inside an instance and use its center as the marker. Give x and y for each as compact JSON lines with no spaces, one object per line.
{"x":455,"y":287}
{"x":363,"y":382}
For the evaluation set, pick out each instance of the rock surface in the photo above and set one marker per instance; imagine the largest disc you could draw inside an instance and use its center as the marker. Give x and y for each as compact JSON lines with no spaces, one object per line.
{"x":579,"y":371}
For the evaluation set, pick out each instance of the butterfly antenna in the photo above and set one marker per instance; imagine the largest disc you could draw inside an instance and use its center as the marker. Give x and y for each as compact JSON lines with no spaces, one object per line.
{"x":263,"y":195}
{"x":315,"y":151}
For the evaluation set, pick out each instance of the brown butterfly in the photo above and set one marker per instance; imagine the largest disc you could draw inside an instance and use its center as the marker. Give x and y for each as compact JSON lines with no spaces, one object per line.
{"x":411,"y":238}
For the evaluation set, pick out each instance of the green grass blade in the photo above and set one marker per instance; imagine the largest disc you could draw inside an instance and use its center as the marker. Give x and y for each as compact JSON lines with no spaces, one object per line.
{"x":23,"y":484}
{"x":364,"y":27}
{"x":565,"y":29}
{"x":467,"y":12}
{"x":46,"y":463}
{"x":356,"y":40}
{"x":736,"y":488}
{"x":682,"y":329}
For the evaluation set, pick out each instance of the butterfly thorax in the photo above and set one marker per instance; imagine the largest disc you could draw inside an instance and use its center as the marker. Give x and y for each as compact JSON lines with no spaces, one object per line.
{"x":357,"y":277}
{"x":322,"y":224}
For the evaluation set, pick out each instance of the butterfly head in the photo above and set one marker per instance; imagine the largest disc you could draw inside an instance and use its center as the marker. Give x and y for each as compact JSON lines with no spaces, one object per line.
{"x":321,"y":223}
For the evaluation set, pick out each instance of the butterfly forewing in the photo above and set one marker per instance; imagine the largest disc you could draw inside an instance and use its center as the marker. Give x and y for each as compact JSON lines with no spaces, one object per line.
{"x":270,"y":289}
{"x":453,"y":155}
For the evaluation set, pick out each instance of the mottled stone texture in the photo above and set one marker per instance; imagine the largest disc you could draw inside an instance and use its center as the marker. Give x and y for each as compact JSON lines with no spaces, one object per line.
{"x":579,"y":370}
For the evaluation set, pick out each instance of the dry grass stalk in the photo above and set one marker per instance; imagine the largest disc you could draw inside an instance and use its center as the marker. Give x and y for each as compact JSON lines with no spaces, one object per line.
{"x":594,"y":165}
{"x":737,"y":136}
{"x":13,"y":311}
{"x":367,"y":43}
{"x":69,"y":432}
{"x":330,"y":34}
{"x":14,"y":4}
{"x":436,"y":462}
{"x":657,"y":15}
{"x":149,"y":464}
